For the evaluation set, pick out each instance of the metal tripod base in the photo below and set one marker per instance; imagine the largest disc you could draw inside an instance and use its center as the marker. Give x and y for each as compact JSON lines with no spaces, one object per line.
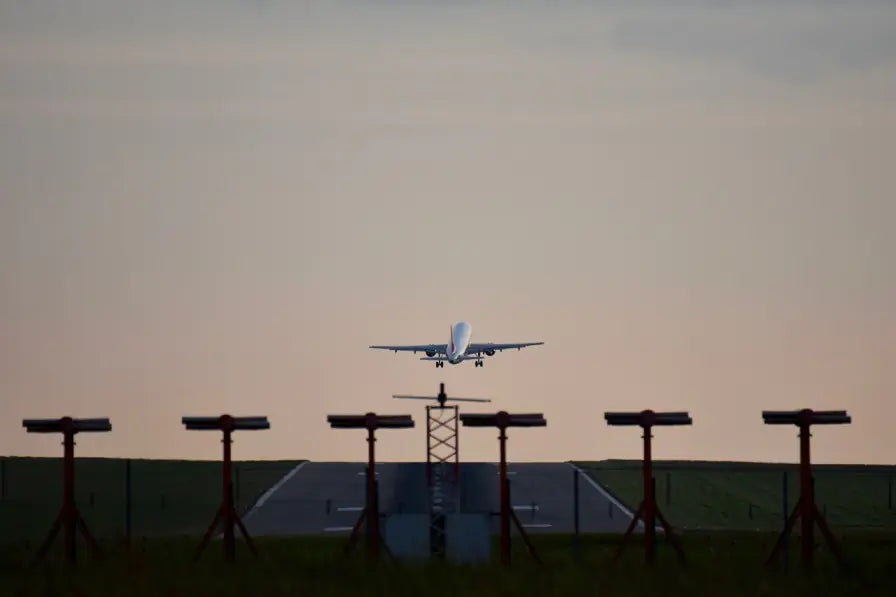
{"x":229,"y":545}
{"x":70,"y":519}
{"x":649,"y":535}
{"x":808,"y":546}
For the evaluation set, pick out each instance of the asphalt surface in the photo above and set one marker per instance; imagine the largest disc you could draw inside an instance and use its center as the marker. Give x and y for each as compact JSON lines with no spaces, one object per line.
{"x":542,"y":496}
{"x":319,"y":497}
{"x":327,"y":497}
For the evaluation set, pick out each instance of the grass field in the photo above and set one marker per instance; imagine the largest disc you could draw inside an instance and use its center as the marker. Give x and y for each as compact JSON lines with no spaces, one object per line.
{"x":742,"y":496}
{"x":180,"y":497}
{"x":168,"y":496}
{"x":175,"y":500}
{"x":718,"y":564}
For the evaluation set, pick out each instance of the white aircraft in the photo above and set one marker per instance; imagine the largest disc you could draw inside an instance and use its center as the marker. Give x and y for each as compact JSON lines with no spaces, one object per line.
{"x":459,"y":347}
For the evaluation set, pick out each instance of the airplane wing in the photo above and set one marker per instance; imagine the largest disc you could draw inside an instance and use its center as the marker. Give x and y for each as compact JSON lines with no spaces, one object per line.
{"x":436,"y":348}
{"x":482,"y":347}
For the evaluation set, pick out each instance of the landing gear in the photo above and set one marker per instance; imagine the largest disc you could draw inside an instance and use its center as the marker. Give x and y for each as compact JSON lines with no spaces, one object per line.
{"x":440,"y":364}
{"x":477,"y":363}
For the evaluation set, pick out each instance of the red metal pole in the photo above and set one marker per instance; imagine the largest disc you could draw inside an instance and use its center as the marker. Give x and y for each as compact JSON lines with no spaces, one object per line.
{"x":68,"y":488}
{"x":807,"y":499}
{"x":649,"y":498}
{"x":373,"y":514}
{"x":229,"y":547}
{"x":505,"y":507}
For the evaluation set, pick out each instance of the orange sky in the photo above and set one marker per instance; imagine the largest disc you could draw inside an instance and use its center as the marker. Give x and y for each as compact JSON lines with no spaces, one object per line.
{"x":217,"y":208}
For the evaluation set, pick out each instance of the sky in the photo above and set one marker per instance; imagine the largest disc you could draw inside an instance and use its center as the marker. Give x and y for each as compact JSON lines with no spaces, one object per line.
{"x":217,"y":206}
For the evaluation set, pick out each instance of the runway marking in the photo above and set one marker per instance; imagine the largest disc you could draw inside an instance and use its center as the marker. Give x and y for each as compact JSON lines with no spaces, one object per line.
{"x":337,"y":529}
{"x":529,"y":507}
{"x":267,"y":494}
{"x":603,"y":492}
{"x":349,"y":508}
{"x":364,"y":474}
{"x":543,"y":525}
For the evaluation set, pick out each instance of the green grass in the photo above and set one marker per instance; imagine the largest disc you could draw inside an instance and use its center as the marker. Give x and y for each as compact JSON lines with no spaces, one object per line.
{"x":718,"y":564}
{"x":175,"y":500}
{"x":729,"y":495}
{"x":168,"y":496}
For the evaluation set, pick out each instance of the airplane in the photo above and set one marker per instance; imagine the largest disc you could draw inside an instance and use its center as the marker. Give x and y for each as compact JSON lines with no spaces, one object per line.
{"x":459,"y":347}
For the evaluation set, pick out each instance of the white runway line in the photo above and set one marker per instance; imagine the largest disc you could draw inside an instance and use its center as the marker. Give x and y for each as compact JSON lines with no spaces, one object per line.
{"x":337,"y":529}
{"x":529,"y":507}
{"x":349,"y":508}
{"x":543,"y":525}
{"x":267,"y":494}
{"x":603,"y":492}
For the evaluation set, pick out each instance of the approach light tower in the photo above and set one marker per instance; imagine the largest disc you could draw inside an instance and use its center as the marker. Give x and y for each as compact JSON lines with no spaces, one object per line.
{"x":441,"y":450}
{"x":806,"y":509}
{"x":69,"y":518}
{"x":371,"y":512}
{"x":441,"y":419}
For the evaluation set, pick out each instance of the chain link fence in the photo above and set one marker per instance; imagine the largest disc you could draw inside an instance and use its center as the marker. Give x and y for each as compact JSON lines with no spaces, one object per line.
{"x":117,"y":497}
{"x":745,"y":496}
{"x":181,"y":497}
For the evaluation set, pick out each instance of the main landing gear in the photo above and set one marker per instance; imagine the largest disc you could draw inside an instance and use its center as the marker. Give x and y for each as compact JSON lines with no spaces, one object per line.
{"x":476,"y":363}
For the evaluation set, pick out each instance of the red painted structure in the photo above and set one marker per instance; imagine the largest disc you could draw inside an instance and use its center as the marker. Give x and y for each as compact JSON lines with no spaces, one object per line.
{"x":502,"y":420}
{"x":806,"y":509}
{"x":648,"y":509}
{"x":69,"y":518}
{"x":226,"y":513}
{"x":371,"y":422}
{"x":443,"y":449}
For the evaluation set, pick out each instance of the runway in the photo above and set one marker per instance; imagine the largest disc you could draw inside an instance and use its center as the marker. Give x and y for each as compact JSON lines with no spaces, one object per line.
{"x":327,"y":497}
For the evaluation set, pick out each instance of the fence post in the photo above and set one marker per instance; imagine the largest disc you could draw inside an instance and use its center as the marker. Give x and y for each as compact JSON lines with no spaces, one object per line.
{"x":236,"y":471}
{"x":509,"y":507}
{"x":784,"y":514}
{"x":889,"y":490}
{"x":575,"y":502}
{"x":668,"y":488}
{"x":127,"y":501}
{"x":368,"y":508}
{"x":2,"y":478}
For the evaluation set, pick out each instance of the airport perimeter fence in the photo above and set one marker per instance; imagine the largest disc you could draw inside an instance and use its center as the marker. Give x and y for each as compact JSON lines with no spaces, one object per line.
{"x":121,"y":497}
{"x":745,"y":496}
{"x":181,"y":497}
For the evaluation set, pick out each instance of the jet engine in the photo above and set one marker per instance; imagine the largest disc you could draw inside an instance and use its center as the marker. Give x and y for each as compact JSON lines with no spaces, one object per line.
{"x":430,"y":353}
{"x":490,"y":352}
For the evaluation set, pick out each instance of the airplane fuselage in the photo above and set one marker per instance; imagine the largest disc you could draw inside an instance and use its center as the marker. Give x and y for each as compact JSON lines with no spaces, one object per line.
{"x":461,"y":333}
{"x":459,"y":348}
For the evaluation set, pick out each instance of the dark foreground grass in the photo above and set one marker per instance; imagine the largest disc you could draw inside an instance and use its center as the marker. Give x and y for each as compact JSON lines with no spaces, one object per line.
{"x":169,"y":497}
{"x":719,"y":564}
{"x":749,"y":496}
